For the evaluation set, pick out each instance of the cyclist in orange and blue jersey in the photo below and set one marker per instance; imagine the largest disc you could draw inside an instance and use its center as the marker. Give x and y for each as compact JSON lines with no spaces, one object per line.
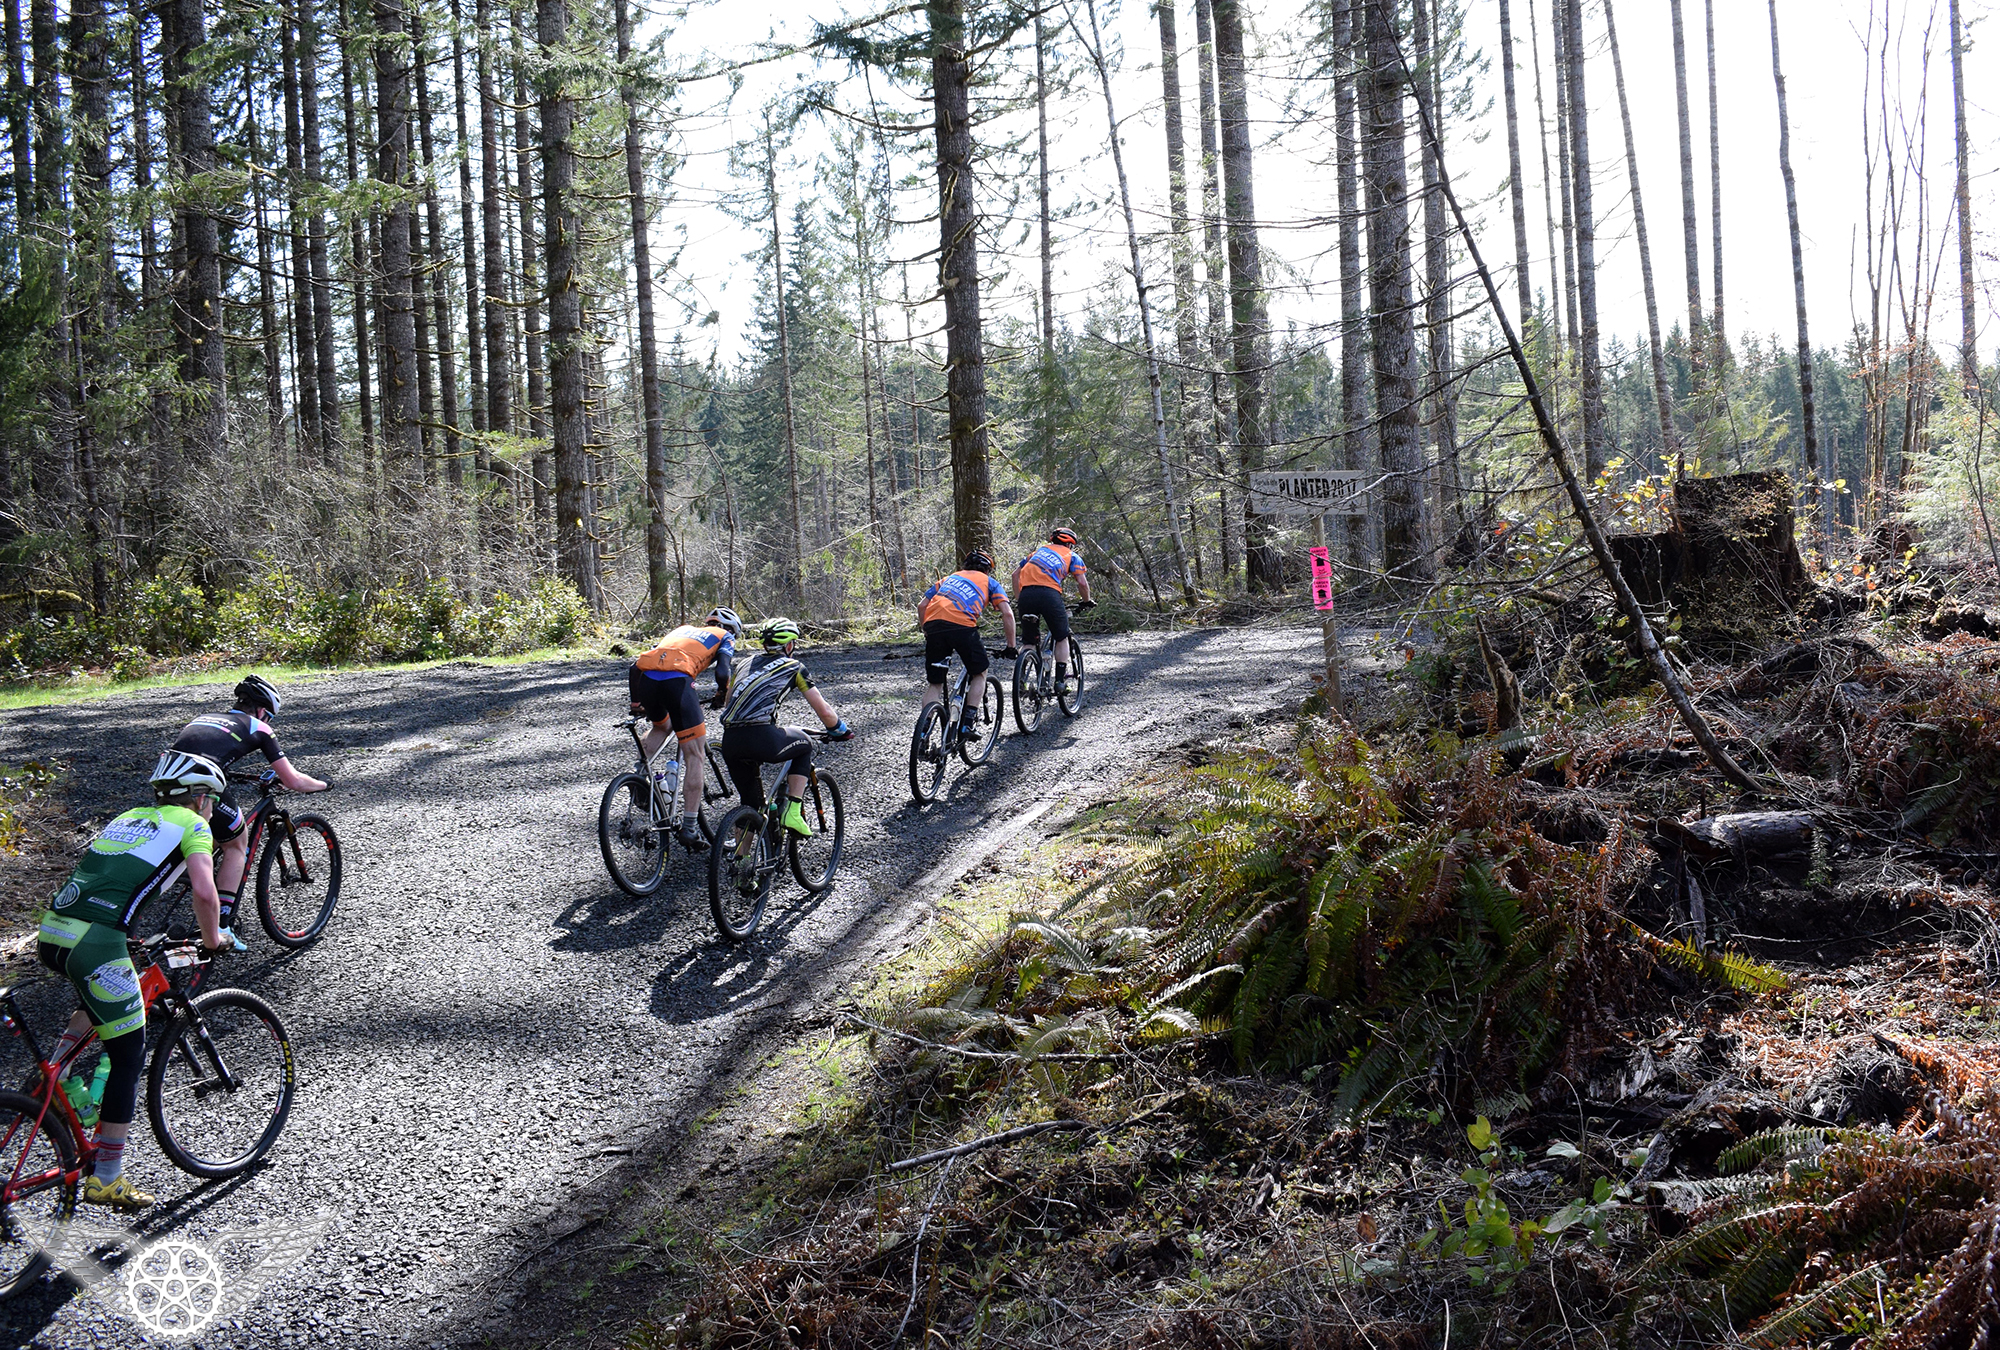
{"x":1038,"y":586}
{"x":662,"y":682}
{"x":950,"y":613}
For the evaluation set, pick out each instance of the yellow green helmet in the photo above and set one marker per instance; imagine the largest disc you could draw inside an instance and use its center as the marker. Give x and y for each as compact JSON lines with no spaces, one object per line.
{"x":777,"y":632}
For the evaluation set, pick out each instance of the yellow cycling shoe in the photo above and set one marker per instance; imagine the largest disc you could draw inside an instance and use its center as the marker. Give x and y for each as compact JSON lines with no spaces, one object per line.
{"x":795,"y":820}
{"x":118,"y":1194}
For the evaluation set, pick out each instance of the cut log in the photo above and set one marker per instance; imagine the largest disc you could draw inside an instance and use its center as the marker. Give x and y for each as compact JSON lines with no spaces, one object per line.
{"x":1745,"y":836}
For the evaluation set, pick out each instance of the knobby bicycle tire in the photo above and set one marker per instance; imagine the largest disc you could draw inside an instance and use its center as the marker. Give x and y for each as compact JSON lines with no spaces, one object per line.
{"x":827,"y":815}
{"x":738,"y":911}
{"x":1072,"y":702}
{"x":28,"y":1232}
{"x":626,"y":826}
{"x":1028,"y":690}
{"x":188,"y":1100}
{"x":977,"y":752}
{"x":281,"y":854}
{"x":928,"y":751}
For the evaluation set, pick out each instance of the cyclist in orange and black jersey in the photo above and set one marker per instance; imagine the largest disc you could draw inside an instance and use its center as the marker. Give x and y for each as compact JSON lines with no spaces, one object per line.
{"x":662,"y":684}
{"x":1038,"y":588}
{"x":949,"y":614}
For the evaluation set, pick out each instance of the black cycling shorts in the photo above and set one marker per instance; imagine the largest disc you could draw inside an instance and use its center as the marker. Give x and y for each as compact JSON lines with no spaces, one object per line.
{"x":942,"y":637}
{"x":1047,"y":602}
{"x":228,"y":818}
{"x":669,"y":699}
{"x":748,"y":746}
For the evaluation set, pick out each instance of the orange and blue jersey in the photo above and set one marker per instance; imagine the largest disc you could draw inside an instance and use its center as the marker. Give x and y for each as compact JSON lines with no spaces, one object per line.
{"x":1049,"y":565}
{"x":961,"y":598}
{"x":689,"y":650}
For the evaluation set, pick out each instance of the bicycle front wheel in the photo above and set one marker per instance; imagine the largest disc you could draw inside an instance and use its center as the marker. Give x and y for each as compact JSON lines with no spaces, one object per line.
{"x":298,"y":880}
{"x":1028,"y":690}
{"x":815,"y":857}
{"x":929,"y":747}
{"x":740,"y":866}
{"x":1071,"y":700}
{"x":979,"y":750}
{"x":634,"y":844}
{"x":36,"y":1201}
{"x":220,"y":1085}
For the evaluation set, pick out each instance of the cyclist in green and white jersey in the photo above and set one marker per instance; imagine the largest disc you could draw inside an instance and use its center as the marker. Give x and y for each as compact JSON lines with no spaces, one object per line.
{"x":751,"y":736}
{"x":84,"y":930}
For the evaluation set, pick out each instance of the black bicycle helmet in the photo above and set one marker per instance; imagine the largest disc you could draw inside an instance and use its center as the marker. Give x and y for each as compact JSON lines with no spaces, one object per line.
{"x":257,"y":692}
{"x":1064,"y":536}
{"x":979,"y":560}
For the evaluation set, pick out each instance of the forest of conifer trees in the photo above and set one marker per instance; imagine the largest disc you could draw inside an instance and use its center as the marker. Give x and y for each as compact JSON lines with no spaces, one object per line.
{"x":332,"y":331}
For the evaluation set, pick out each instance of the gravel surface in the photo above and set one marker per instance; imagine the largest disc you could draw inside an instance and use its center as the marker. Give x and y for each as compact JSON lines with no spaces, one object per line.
{"x":489,"y":1024}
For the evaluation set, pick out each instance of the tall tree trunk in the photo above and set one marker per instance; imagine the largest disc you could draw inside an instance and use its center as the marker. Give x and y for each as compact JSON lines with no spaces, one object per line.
{"x":1046,"y":376}
{"x":43,"y":45}
{"x":958,"y":278}
{"x":305,"y":373}
{"x":1220,"y":417}
{"x":1697,"y":341}
{"x":785,"y":367}
{"x":1719,"y":329}
{"x":499,"y":368}
{"x":576,"y":551}
{"x":1565,"y":147}
{"x":267,"y":307}
{"x":438,"y":274}
{"x":204,"y":432}
{"x":1594,"y":439}
{"x":326,"y":361}
{"x":159,"y":404}
{"x":526,"y":138}
{"x":1669,"y":438}
{"x":1347,"y":38}
{"x":475,"y":355}
{"x":1247,"y":303}
{"x":1437,"y":286}
{"x":1558,"y":285}
{"x":1516,"y":189}
{"x":657,"y":574}
{"x":1404,"y":554}
{"x":1810,"y":430}
{"x":1168,"y":497}
{"x":358,"y":248}
{"x":1187,"y":345}
{"x":864,"y":312}
{"x":1968,"y":297}
{"x":17,"y":115}
{"x":92,"y":232}
{"x":395,"y":303}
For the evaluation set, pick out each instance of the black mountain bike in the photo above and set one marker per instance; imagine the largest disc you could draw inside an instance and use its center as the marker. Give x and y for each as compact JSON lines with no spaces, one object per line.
{"x":297,"y":864}
{"x":939,"y":733}
{"x":751,"y":845}
{"x":1035,"y":675}
{"x":641,"y":811}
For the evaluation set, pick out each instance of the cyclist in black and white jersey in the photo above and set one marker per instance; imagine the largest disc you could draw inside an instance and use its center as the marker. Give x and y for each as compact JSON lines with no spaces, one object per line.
{"x":751,"y":736}
{"x":222,"y":739}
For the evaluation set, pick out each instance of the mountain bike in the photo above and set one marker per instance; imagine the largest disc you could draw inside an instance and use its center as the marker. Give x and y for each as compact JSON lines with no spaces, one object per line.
{"x":297,"y":862}
{"x":751,"y":844}
{"x":219,"y":1088}
{"x":641,"y":811}
{"x":939,"y":733}
{"x":1035,"y":676}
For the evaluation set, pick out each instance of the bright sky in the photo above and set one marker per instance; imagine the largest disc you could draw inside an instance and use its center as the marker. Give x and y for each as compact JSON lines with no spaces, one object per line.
{"x":1824,"y":66}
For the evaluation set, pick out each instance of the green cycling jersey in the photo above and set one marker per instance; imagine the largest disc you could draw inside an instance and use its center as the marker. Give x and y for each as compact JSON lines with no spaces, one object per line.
{"x":134,"y":855}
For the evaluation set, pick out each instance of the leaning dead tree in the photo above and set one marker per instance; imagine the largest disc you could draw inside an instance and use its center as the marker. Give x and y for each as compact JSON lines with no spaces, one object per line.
{"x":1559,"y":456}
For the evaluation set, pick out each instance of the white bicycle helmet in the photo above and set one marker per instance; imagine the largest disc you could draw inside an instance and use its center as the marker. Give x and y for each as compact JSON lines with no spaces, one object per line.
{"x":723,"y":617}
{"x":184,"y":775}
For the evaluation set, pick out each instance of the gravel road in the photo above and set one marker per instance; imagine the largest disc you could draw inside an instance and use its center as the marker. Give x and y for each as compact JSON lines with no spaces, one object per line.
{"x":489,"y":1023}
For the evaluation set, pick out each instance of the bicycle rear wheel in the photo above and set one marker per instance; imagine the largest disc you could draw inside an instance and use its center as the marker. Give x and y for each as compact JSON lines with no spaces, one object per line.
{"x":740,"y":867}
{"x":297,"y":903}
{"x":929,"y":747}
{"x":1028,"y":689}
{"x":815,"y":858}
{"x":634,"y":844}
{"x":35,"y":1201}
{"x":1072,"y":701}
{"x":220,"y":1085}
{"x":978,"y":751}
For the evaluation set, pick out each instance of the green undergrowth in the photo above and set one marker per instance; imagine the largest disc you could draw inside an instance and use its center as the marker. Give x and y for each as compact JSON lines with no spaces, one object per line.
{"x":1272,"y":1012}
